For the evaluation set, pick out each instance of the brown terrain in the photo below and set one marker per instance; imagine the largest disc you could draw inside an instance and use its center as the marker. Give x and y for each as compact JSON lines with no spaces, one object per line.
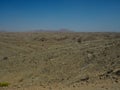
{"x":59,"y":61}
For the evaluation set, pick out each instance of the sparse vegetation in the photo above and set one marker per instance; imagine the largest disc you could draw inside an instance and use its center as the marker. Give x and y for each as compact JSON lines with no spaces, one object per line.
{"x":5,"y":58}
{"x":4,"y":84}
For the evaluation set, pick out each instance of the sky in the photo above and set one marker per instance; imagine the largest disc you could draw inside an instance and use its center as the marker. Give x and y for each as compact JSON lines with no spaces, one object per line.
{"x":76,"y":15}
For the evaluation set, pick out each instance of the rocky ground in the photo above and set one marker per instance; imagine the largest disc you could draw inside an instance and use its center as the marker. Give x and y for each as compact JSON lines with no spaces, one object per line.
{"x":59,"y":61}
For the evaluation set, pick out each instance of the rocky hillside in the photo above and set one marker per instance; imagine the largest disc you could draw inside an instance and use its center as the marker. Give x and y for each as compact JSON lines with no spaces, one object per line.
{"x":46,"y":58}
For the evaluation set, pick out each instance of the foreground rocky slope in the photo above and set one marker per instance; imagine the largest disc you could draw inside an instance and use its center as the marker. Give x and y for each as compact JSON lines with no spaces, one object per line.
{"x":64,"y":58}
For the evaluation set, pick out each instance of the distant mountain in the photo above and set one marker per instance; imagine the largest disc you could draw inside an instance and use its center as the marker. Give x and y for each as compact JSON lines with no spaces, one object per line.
{"x":1,"y":30}
{"x":65,"y":30}
{"x":49,"y":30}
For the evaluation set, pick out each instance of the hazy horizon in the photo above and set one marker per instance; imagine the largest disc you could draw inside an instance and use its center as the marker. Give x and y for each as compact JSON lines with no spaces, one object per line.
{"x":76,"y":15}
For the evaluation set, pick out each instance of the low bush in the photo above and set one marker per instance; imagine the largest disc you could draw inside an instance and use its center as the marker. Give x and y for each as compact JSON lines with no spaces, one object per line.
{"x":4,"y":84}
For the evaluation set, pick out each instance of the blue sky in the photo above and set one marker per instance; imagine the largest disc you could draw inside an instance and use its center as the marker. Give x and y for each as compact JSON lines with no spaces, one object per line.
{"x":77,"y":15}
